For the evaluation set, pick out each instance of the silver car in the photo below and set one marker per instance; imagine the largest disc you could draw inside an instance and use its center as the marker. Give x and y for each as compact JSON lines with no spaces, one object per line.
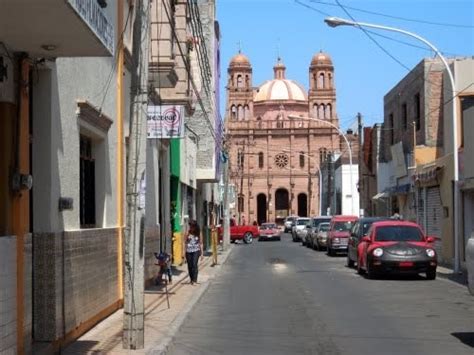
{"x":321,"y":237}
{"x":289,"y":223}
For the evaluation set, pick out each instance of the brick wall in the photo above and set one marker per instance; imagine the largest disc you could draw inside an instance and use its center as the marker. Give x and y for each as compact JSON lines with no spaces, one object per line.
{"x":75,"y":279}
{"x":7,"y":295}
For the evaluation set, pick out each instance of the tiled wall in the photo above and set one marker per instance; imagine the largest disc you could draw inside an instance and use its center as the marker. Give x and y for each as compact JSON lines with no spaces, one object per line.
{"x":7,"y":295}
{"x":79,"y":267}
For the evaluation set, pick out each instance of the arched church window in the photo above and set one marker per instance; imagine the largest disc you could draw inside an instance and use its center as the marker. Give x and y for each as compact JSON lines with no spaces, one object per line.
{"x":315,"y":110}
{"x":321,"y":81}
{"x":280,"y":124}
{"x":240,"y":160}
{"x":233,"y":112}
{"x":259,"y":122}
{"x":240,"y":112}
{"x":328,"y":111}
{"x":330,"y":83}
{"x":247,"y":81}
{"x":315,"y":81}
{"x":240,"y":81}
{"x":301,"y":159}
{"x":260,"y":160}
{"x":246,"y":112}
{"x":323,"y":153}
{"x":321,"y":111}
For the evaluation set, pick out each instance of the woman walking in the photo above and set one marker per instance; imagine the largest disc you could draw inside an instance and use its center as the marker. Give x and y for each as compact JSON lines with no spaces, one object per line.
{"x":193,"y":250}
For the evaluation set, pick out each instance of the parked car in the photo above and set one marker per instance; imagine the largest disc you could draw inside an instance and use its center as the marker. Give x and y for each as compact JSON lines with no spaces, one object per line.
{"x":338,"y":235}
{"x":397,"y":246}
{"x":299,"y":229}
{"x":269,"y":231}
{"x":246,"y":233}
{"x":359,"y":230}
{"x":289,"y":222}
{"x":320,"y":238}
{"x":313,"y":226}
{"x":470,"y":263}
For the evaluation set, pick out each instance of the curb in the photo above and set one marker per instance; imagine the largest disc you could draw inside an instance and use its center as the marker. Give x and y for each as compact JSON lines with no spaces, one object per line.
{"x":163,"y":346}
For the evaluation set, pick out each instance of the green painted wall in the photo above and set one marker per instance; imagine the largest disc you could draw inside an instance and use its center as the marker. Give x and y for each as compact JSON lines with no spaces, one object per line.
{"x":175,"y":185}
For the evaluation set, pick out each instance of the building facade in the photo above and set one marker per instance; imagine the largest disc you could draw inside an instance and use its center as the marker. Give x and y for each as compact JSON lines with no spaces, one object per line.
{"x":278,"y":134}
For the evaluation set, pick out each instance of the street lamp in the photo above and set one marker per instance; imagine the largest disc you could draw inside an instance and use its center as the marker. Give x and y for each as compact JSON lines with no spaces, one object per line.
{"x":348,"y":147}
{"x":320,"y":177}
{"x":336,"y":21}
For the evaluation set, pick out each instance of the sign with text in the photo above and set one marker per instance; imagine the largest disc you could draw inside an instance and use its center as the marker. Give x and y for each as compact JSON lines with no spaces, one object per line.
{"x":165,"y":122}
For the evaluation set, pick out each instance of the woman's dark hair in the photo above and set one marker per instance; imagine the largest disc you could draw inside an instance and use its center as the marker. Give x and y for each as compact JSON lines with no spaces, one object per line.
{"x":194,"y":228}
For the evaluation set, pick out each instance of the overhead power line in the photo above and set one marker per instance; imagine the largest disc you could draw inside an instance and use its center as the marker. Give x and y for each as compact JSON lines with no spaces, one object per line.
{"x":443,"y":24}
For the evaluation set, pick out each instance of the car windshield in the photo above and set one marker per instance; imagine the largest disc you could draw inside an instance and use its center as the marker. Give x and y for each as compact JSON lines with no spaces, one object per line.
{"x":399,"y":234}
{"x":324,"y":227}
{"x":302,"y":222}
{"x":268,"y":226}
{"x":343,"y":226}
{"x":317,"y":222}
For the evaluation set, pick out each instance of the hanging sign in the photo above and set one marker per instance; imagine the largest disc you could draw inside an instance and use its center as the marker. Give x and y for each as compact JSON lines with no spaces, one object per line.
{"x":165,"y":122}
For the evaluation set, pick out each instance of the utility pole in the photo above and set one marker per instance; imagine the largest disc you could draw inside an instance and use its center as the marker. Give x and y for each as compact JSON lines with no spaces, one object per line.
{"x":225,"y":224}
{"x":361,"y":161}
{"x":133,"y":320}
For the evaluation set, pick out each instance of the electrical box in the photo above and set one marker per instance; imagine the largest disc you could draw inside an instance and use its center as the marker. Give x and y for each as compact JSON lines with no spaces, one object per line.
{"x":7,"y":87}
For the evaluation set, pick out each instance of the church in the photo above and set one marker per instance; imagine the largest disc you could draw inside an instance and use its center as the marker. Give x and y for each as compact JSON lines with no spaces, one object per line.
{"x":278,"y":135}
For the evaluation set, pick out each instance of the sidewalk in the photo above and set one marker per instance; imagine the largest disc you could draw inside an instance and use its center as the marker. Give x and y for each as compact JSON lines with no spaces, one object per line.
{"x":161,"y":322}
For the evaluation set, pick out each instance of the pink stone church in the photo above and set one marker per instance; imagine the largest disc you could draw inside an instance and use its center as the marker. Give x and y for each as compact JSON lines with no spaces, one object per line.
{"x":278,"y":135}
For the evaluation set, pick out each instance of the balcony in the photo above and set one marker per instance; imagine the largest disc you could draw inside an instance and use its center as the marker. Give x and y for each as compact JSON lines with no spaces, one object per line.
{"x":57,"y":28}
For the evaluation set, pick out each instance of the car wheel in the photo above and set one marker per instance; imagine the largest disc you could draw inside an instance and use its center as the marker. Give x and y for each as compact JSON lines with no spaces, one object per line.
{"x":350,"y":262}
{"x":248,"y":238}
{"x":279,"y":239}
{"x":431,"y":274}
{"x":330,"y":252}
{"x":316,"y":246}
{"x":370,"y":273}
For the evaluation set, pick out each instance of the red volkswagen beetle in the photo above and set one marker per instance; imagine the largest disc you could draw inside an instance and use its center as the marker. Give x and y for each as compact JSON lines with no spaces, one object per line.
{"x":396,"y":246}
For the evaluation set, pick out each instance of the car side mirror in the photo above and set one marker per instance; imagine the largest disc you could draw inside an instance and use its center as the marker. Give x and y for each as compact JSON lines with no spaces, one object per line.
{"x":430,"y":239}
{"x":366,"y":239}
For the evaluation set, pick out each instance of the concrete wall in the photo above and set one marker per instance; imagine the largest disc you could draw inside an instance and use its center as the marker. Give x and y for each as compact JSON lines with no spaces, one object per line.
{"x":349,"y":204}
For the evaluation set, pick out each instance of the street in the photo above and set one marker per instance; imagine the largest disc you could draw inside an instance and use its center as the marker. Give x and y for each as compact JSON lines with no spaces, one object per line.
{"x":283,"y":298}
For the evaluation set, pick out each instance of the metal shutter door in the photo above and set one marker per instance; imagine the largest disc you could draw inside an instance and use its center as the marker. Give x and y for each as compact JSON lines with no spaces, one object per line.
{"x":434,"y":215}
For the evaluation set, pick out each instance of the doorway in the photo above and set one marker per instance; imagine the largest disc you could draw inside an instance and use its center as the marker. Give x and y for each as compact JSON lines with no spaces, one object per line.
{"x":302,"y":205}
{"x":261,"y":208}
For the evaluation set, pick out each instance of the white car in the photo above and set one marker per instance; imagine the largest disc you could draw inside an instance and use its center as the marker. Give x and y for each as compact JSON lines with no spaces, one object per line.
{"x":299,"y":230}
{"x":289,"y":223}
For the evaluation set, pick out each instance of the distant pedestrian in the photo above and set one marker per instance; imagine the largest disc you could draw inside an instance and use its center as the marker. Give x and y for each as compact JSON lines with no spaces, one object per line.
{"x":193,"y":250}
{"x":396,"y":214}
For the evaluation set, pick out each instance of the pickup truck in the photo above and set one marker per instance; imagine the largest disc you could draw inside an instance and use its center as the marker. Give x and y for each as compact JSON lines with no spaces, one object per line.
{"x":237,"y":232}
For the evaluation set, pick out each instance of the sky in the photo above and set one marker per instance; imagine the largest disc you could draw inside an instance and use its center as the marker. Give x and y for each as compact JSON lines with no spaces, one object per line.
{"x":364,"y":73}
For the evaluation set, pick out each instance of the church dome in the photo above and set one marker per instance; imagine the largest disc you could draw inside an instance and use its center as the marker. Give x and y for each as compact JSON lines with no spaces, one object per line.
{"x":281,"y":89}
{"x":321,"y":58}
{"x":239,"y":60}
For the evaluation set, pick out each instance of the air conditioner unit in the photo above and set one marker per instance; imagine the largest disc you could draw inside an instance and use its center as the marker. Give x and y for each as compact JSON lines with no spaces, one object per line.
{"x":7,"y":87}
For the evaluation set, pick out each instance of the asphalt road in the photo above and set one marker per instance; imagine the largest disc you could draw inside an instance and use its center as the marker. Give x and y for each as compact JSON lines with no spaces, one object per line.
{"x":283,"y":298}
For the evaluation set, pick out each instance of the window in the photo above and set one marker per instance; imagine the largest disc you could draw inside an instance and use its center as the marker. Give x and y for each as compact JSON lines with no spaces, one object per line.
{"x":328,"y":111}
{"x":330,"y":80}
{"x":323,"y":153}
{"x":233,"y":112}
{"x":467,"y":115}
{"x":321,"y":81}
{"x":260,"y":160}
{"x":259,"y":122}
{"x":279,"y":123}
{"x":321,"y":111}
{"x":315,"y":110}
{"x":417,"y":100}
{"x":86,"y":184}
{"x":404,"y":116}
{"x":240,"y":159}
{"x":301,"y":160}
{"x":240,"y":81}
{"x":391,"y":131}
{"x":240,"y":112}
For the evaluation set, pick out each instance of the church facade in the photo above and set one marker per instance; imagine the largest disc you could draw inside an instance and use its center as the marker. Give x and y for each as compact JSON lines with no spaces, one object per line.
{"x":278,"y":134}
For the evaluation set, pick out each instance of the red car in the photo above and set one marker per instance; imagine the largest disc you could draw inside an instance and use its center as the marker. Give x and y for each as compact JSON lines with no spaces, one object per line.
{"x":396,"y":246}
{"x":339,"y":232}
{"x":269,"y":231}
{"x":238,"y":232}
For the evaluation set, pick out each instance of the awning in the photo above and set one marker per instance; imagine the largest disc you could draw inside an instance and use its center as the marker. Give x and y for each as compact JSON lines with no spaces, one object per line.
{"x":428,"y":175}
{"x":381,"y":195}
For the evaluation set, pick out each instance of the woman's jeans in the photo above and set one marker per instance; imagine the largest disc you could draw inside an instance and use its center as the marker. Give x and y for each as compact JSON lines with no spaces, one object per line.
{"x":192,"y":260}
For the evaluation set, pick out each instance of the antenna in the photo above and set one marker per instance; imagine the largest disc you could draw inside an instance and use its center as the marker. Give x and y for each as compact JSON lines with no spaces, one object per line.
{"x":239,"y":46}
